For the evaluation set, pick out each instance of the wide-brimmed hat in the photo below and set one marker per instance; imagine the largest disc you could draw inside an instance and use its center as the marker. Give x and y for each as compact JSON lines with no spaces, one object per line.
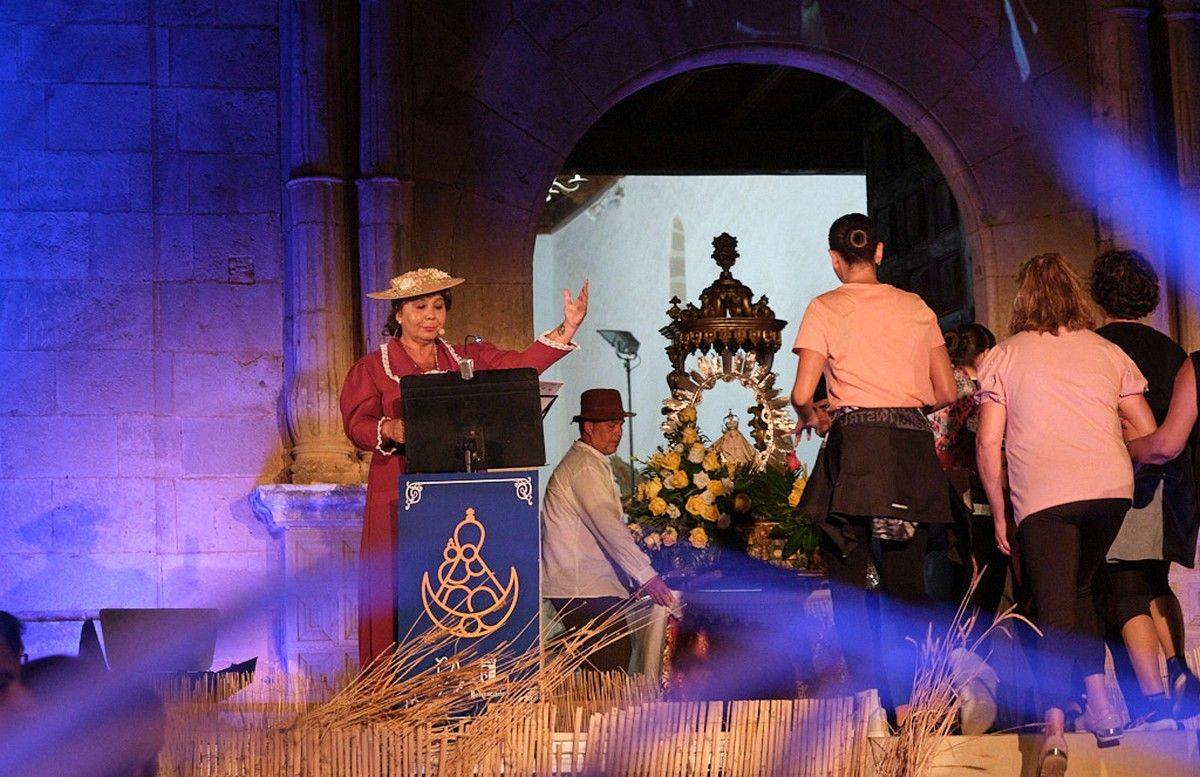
{"x":417,"y":283}
{"x":600,"y":404}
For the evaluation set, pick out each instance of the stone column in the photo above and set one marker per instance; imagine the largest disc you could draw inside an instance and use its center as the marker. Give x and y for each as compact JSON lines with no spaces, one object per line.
{"x":1124,"y":123}
{"x":385,"y":184}
{"x":319,"y":526}
{"x":320,"y":346}
{"x":1183,"y":33}
{"x":384,"y":207}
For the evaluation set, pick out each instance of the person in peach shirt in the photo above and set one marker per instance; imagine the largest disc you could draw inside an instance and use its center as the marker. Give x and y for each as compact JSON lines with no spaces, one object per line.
{"x":1054,"y":395}
{"x":886,"y":366}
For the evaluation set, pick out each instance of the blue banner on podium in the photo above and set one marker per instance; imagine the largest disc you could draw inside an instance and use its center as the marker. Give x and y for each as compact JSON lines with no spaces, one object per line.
{"x":467,"y":559}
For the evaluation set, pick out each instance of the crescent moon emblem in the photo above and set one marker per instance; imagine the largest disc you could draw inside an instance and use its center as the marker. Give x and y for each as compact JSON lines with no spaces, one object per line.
{"x":468,"y":623}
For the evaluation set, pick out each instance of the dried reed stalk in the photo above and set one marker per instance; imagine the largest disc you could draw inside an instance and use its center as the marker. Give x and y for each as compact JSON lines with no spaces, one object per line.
{"x":393,"y":720}
{"x":935,"y":703}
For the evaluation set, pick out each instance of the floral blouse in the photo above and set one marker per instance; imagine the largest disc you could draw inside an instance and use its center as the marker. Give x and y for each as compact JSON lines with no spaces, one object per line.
{"x":955,"y":425}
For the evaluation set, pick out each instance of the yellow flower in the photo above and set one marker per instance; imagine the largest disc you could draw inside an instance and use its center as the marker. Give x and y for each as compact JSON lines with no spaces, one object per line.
{"x":799,"y":484}
{"x":671,"y":460}
{"x":711,"y":513}
{"x":653,"y":540}
{"x":696,"y":505}
{"x":698,"y":538}
{"x":742,"y":503}
{"x":688,"y":414}
{"x":679,"y":479}
{"x":690,"y":435}
{"x":641,"y":493}
{"x":715,"y":487}
{"x":669,"y":536}
{"x":634,"y":528}
{"x":652,"y":488}
{"x":793,"y":499}
{"x":658,"y":506}
{"x":711,"y":462}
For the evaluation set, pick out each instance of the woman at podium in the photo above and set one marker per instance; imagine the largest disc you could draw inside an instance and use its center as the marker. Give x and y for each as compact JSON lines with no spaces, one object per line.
{"x":372,"y":416}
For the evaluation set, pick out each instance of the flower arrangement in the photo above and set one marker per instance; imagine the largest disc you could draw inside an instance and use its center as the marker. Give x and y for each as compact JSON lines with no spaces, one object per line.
{"x":691,"y":499}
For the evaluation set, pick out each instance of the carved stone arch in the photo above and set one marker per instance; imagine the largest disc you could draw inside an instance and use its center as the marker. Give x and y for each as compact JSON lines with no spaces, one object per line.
{"x":892,"y":95}
{"x":953,"y":83}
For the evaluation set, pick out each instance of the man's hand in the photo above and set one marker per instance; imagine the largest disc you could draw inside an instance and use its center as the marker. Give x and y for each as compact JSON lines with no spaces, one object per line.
{"x":659,"y":592}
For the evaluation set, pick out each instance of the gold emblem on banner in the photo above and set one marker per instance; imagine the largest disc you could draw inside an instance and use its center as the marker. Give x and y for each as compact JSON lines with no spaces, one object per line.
{"x":469,"y":601}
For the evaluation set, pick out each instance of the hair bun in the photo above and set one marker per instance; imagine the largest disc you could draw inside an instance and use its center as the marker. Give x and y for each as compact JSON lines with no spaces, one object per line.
{"x":857,"y":238}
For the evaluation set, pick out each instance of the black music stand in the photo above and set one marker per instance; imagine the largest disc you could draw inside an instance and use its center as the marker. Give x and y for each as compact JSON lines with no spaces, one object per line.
{"x":492,"y":421}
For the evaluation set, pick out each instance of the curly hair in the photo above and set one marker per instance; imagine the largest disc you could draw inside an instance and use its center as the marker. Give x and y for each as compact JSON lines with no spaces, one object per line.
{"x":1124,"y":284}
{"x":391,"y":327}
{"x":855,"y":237}
{"x":1049,"y":297}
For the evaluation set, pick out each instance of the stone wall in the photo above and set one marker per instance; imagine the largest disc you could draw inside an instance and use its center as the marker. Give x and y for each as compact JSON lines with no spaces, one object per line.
{"x":141,"y":308}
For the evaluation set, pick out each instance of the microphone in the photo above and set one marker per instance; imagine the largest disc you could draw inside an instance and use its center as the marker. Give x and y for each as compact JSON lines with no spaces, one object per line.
{"x":466,"y":367}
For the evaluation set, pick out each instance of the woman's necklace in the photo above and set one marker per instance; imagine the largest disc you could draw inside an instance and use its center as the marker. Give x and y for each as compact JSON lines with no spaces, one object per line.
{"x":426,"y":367}
{"x":387,"y":362}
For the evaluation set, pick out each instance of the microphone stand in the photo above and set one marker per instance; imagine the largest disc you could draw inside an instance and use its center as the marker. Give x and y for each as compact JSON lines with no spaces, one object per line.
{"x":627,"y":359}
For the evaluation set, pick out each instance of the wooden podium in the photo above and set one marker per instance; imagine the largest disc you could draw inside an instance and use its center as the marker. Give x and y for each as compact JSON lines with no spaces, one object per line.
{"x":467,"y":562}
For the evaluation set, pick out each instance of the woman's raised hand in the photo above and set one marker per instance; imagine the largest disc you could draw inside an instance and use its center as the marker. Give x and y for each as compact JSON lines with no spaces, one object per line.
{"x":574,"y":311}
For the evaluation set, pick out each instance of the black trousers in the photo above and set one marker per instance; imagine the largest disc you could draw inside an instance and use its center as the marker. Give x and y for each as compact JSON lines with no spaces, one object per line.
{"x":877,"y":651}
{"x":578,"y":613}
{"x":1123,"y":591}
{"x":1062,"y":547}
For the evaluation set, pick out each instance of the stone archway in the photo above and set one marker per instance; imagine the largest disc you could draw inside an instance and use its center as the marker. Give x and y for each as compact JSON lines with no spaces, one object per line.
{"x":954,"y":85}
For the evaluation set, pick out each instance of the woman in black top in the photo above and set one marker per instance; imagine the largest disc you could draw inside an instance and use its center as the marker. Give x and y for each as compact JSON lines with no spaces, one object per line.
{"x":1161,"y":527}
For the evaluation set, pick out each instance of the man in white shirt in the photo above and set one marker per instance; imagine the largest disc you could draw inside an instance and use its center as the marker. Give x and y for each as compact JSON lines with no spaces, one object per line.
{"x":587,"y":551}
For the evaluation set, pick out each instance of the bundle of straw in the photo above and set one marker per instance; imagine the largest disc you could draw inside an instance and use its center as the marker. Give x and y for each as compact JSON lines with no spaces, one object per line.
{"x":935,"y":703}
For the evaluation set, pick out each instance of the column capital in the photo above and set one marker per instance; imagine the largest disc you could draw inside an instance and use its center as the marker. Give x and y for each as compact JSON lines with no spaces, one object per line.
{"x":1124,"y":7}
{"x":1178,"y":10}
{"x":317,"y":506}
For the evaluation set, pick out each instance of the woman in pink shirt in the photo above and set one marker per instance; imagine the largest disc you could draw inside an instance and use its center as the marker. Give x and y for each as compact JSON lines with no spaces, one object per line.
{"x":1054,"y":395}
{"x":877,"y":484}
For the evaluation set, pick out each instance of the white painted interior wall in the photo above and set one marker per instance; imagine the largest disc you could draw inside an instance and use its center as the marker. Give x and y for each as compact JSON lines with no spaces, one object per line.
{"x":623,"y":246}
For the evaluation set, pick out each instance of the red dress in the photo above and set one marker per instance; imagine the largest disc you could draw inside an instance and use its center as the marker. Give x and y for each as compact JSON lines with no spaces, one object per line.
{"x":370,"y":394}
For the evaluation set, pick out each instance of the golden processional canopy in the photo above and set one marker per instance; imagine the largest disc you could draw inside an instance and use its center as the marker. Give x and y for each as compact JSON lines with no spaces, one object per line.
{"x":736,"y":339}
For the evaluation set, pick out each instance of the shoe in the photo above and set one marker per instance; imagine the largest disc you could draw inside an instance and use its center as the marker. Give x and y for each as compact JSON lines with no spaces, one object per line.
{"x":1185,"y":693}
{"x":1152,"y":723}
{"x":977,"y":711}
{"x":1052,"y":760}
{"x":1106,"y":727}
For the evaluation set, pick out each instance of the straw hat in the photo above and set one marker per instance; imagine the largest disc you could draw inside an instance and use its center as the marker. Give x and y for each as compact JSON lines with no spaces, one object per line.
{"x":417,"y":283}
{"x":601,"y":404}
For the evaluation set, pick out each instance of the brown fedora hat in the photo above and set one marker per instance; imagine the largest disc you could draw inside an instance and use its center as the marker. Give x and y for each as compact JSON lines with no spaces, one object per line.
{"x":601,"y":404}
